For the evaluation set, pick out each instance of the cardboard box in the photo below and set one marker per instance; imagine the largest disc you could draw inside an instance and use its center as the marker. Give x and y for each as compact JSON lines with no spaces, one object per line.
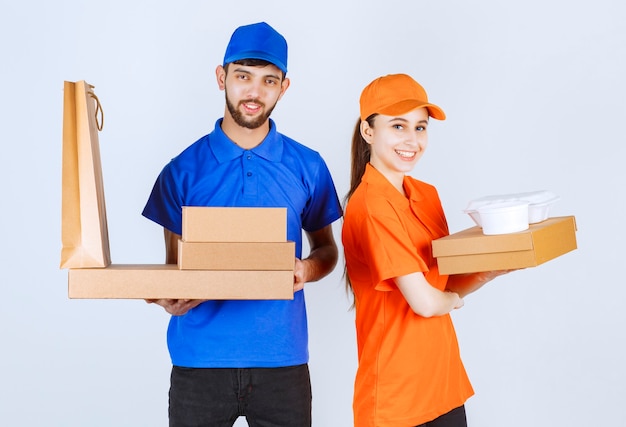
{"x":234,"y":224}
{"x":236,"y":255}
{"x":151,"y":281}
{"x":471,"y":251}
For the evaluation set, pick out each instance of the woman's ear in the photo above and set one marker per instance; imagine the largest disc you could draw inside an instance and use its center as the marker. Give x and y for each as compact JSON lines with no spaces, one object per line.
{"x":366,"y":131}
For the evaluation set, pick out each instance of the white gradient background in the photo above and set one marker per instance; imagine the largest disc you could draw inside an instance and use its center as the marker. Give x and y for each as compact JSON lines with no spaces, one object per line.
{"x":535,"y":97}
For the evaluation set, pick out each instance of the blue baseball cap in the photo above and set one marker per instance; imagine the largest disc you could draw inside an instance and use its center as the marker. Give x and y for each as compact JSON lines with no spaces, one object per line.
{"x":257,"y":41}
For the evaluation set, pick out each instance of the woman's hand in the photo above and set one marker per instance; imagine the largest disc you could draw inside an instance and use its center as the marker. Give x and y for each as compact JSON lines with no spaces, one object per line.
{"x":465,"y":284}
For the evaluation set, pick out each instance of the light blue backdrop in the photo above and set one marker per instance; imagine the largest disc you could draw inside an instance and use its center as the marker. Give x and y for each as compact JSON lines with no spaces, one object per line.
{"x":535,"y":97}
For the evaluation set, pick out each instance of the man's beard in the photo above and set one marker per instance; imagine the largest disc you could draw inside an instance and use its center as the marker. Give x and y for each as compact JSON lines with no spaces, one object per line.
{"x":242,"y":120}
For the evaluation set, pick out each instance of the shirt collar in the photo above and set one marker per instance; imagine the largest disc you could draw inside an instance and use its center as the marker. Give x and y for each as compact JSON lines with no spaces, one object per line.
{"x":224,"y":149}
{"x":373,"y":177}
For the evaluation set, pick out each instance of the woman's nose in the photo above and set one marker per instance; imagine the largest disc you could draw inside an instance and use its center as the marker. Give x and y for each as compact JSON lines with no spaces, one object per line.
{"x":416,"y":140}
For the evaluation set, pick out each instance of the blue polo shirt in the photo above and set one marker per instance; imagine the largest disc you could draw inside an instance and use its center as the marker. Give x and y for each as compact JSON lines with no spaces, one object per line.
{"x":214,"y":171}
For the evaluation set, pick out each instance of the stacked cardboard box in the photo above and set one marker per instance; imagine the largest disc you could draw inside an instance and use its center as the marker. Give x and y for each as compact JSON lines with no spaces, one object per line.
{"x":245,"y":240}
{"x":470,"y":250}
{"x":224,"y":253}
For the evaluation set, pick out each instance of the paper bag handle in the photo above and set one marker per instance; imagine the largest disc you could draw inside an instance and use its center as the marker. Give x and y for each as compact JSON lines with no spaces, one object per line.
{"x":100,"y":123}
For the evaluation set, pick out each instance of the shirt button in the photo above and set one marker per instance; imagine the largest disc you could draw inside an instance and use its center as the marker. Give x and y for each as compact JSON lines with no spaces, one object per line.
{"x":249,"y":174}
{"x":249,"y":157}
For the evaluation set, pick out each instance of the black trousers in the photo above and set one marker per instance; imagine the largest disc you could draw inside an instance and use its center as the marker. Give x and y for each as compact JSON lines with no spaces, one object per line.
{"x":454,"y":418}
{"x":266,"y":397}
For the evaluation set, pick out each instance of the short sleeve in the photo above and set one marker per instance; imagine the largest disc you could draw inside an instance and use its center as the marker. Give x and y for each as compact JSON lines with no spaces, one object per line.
{"x":323,"y":207}
{"x":164,"y":205}
{"x":388,"y":249}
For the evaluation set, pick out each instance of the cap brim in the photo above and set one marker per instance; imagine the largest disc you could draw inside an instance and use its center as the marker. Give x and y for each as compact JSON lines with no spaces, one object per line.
{"x":257,"y":55}
{"x":411,"y":104}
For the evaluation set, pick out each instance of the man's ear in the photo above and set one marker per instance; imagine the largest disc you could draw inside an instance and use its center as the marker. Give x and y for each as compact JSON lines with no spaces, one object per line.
{"x":366,"y":131}
{"x":220,"y":75}
{"x":284,"y":85}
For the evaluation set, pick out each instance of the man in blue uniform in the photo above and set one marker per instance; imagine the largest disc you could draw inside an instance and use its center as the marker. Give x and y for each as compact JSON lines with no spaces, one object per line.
{"x":246,"y":358}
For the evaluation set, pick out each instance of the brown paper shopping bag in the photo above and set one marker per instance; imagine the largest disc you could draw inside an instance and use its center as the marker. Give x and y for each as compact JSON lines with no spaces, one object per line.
{"x":84,"y":229}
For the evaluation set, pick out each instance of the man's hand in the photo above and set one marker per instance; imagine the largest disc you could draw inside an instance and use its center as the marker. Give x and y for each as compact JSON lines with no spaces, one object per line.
{"x":321,"y":260}
{"x":299,"y":275}
{"x":176,"y":307}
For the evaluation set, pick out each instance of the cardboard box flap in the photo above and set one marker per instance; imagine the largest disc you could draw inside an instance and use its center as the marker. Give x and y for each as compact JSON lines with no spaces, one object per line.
{"x":473,"y":241}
